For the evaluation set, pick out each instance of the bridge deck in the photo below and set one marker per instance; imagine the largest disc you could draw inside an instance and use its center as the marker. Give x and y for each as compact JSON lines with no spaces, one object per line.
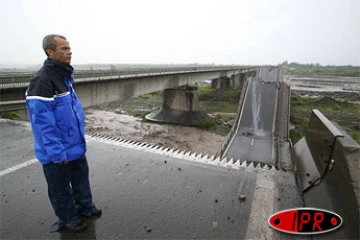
{"x":142,"y":196}
{"x":263,"y":122}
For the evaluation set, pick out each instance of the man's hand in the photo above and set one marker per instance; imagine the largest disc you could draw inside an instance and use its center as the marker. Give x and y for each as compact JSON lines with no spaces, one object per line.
{"x":64,"y":162}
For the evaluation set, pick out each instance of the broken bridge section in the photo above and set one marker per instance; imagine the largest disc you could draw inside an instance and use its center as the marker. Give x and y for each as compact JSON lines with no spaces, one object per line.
{"x":260,"y":134}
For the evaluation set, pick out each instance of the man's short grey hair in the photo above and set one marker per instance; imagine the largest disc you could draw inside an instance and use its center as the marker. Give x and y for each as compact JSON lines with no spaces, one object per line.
{"x":49,"y":42}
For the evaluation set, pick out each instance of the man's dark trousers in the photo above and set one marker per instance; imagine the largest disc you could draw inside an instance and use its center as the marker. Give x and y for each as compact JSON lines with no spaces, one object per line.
{"x":69,"y":189}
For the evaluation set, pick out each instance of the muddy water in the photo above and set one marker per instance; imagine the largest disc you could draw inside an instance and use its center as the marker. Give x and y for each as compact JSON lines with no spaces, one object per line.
{"x":132,"y":128}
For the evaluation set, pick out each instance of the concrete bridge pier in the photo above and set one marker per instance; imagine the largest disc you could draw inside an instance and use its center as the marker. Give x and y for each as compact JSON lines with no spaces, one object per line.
{"x":236,"y":80}
{"x":180,"y":106}
{"x":242,"y":79}
{"x":221,"y":83}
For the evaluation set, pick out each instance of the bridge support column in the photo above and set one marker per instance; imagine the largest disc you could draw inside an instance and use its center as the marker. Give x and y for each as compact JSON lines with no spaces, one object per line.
{"x":221,"y":83}
{"x":236,"y":80}
{"x":180,"y":105}
{"x":242,"y":79}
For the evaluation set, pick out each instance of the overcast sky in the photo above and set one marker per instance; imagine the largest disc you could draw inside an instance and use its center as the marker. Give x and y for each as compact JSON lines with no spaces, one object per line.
{"x":184,"y":31}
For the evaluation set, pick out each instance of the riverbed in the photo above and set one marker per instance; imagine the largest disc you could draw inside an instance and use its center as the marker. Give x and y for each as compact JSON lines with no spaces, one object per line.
{"x":134,"y":128}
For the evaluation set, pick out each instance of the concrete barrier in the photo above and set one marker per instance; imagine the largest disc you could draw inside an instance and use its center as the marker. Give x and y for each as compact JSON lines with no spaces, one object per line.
{"x":327,"y":161}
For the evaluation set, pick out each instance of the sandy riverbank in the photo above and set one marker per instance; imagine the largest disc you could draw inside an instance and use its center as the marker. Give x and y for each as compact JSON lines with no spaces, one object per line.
{"x":132,"y":128}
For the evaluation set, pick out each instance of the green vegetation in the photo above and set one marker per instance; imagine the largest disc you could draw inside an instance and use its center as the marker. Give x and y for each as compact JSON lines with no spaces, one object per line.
{"x":345,"y":114}
{"x":318,"y":70}
{"x":205,"y":92}
{"x":143,"y":105}
{"x":10,"y":115}
{"x":229,"y":95}
{"x":221,"y":104}
{"x":211,"y":100}
{"x":355,"y":135}
{"x":218,"y":106}
{"x":207,"y":123}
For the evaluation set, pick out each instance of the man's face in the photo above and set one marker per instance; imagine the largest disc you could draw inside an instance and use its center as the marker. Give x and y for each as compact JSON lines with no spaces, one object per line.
{"x":62,"y":52}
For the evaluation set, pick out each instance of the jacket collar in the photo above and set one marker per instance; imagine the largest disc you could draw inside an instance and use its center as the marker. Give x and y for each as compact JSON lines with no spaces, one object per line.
{"x":62,"y":69}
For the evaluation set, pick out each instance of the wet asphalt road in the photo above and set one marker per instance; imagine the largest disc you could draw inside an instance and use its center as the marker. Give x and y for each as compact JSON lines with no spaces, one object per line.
{"x":11,"y":146}
{"x":255,"y":139}
{"x":145,"y":195}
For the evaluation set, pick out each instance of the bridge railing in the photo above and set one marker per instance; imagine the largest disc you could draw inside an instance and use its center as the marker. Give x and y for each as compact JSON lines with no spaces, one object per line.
{"x":233,"y":130}
{"x":9,"y":106}
{"x":26,"y":77}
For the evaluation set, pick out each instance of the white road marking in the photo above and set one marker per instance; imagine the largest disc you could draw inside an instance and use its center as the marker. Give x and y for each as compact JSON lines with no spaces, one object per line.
{"x":262,"y":208}
{"x":17,"y":167}
{"x":30,"y":162}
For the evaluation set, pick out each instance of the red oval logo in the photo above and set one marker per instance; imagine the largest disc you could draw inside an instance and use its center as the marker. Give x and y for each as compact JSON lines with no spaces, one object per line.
{"x":305,"y":221}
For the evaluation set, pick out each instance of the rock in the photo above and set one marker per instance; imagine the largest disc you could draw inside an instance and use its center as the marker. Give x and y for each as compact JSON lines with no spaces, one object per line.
{"x":242,"y":198}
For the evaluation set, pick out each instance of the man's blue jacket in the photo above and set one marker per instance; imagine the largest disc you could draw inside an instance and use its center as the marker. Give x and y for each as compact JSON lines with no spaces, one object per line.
{"x":56,"y":115}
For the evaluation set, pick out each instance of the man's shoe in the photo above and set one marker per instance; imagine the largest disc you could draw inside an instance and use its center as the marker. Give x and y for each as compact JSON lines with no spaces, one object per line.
{"x":96,"y":213}
{"x":57,"y":226}
{"x":76,"y":227}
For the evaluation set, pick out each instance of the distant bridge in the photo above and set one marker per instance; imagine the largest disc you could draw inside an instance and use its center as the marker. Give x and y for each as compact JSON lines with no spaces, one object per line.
{"x":98,"y":87}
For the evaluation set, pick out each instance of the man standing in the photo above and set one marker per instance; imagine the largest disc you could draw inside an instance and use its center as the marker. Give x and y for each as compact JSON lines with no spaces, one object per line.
{"x":58,"y":124}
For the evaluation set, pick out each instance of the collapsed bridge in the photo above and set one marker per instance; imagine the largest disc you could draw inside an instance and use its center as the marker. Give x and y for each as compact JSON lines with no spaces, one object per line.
{"x":151,"y":191}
